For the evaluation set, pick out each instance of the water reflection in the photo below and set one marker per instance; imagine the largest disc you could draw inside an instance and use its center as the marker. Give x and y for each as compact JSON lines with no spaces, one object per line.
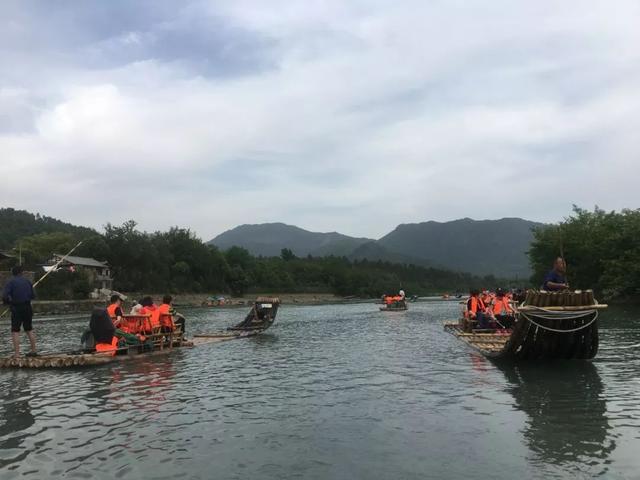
{"x":15,"y":417}
{"x":566,"y":408}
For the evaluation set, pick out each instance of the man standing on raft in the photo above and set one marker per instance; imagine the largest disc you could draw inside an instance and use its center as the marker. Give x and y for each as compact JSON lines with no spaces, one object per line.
{"x":556,"y":279}
{"x":18,"y":293}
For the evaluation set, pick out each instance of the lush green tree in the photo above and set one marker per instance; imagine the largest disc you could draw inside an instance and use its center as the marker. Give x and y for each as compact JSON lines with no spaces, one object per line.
{"x":601,"y":249}
{"x":38,"y":249}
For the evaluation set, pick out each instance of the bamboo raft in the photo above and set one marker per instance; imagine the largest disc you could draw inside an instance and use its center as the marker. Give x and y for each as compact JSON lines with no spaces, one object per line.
{"x":548,"y":325}
{"x":253,"y":325}
{"x":395,"y":307}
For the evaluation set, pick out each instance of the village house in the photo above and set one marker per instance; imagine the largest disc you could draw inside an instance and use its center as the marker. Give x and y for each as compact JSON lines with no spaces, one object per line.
{"x":98,"y":272}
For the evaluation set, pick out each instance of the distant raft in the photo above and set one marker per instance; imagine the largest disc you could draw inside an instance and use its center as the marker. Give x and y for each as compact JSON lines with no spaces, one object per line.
{"x":395,"y":307}
{"x":548,"y":325}
{"x":261,"y":317}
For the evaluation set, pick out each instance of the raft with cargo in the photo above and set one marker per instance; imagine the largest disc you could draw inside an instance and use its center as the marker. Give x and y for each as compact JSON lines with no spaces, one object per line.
{"x":548,"y":325}
{"x":259,"y":319}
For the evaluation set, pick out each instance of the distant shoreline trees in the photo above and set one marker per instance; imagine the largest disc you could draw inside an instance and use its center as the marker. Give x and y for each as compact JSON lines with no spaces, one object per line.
{"x":176,"y":261}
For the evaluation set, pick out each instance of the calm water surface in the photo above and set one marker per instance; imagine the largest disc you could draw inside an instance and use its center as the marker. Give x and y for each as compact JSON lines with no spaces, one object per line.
{"x":342,"y":392}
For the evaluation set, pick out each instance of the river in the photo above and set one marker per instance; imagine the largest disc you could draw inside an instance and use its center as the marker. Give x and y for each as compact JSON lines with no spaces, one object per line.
{"x":330,"y":392}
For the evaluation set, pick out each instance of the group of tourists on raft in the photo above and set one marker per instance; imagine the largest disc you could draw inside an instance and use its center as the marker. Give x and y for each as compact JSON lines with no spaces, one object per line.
{"x":492,"y":310}
{"x":112,"y":329}
{"x":394,"y":299}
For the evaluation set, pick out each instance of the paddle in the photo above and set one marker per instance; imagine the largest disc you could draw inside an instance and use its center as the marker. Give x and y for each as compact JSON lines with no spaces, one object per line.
{"x":53,"y":269}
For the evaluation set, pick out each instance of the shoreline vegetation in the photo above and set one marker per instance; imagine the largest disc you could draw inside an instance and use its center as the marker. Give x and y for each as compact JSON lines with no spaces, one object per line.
{"x":601,"y":249}
{"x":177,"y":262}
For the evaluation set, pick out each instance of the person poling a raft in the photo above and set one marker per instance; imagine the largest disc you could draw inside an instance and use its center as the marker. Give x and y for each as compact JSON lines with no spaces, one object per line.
{"x":18,"y":294}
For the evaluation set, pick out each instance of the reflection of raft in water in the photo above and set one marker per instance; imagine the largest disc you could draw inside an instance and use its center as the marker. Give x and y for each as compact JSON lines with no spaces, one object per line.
{"x":259,"y":319}
{"x":566,"y":411}
{"x":561,"y":325}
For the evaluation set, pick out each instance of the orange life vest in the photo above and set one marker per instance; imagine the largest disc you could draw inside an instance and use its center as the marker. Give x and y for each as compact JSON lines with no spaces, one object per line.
{"x":502,"y":307}
{"x":166,"y":319}
{"x":108,"y":347}
{"x":111,"y":310}
{"x":155,"y":315}
{"x":475,"y":305}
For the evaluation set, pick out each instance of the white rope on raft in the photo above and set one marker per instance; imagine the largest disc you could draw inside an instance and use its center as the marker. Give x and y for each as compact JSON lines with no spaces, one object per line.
{"x":563,"y":316}
{"x":558,"y":314}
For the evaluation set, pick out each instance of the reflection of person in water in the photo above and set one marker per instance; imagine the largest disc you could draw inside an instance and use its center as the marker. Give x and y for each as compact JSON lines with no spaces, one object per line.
{"x":15,"y":415}
{"x":567,"y":413}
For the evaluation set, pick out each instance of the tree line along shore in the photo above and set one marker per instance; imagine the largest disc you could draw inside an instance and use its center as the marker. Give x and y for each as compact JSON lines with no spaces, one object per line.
{"x":601,"y":249}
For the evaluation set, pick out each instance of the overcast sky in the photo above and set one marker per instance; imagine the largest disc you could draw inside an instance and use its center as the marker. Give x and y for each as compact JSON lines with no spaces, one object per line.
{"x":352,"y":116}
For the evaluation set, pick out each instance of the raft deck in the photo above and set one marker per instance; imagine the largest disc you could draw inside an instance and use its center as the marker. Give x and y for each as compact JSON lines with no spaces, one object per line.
{"x":72,"y":359}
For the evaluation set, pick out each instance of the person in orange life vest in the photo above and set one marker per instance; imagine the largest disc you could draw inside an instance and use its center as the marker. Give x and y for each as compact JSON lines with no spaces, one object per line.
{"x":502,"y":309}
{"x":388,"y":299}
{"x":103,"y":331}
{"x":167,"y":309}
{"x":115,"y":309}
{"x":477,"y":310}
{"x":150,"y":308}
{"x":486,"y":298}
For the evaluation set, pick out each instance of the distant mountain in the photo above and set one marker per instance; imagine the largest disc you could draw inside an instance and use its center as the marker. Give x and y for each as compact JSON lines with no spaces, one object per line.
{"x":268,"y":239}
{"x":483,"y":247}
{"x":15,"y":224}
{"x":374,"y":251}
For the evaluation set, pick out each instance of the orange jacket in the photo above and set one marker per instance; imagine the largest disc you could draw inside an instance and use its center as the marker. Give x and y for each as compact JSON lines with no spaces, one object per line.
{"x":111,"y":348}
{"x":166,"y":321}
{"x":155,"y":315}
{"x":475,"y":305}
{"x":111,"y":310}
{"x":501,"y":306}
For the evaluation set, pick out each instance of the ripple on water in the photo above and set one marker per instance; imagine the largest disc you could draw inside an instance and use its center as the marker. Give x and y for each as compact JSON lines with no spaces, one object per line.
{"x":329,"y":392}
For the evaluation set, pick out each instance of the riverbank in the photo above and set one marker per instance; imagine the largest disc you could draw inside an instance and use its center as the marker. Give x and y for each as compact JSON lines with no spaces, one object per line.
{"x":63,"y":307}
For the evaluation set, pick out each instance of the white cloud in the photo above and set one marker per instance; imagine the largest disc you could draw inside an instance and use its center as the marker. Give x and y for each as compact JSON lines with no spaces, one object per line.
{"x":359,"y":116}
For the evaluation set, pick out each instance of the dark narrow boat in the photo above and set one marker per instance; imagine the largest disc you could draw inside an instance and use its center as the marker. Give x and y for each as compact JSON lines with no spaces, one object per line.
{"x":261,"y":317}
{"x":562,"y":325}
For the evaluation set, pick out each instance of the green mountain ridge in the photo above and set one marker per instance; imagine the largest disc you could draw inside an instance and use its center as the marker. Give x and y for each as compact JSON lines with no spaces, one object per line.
{"x":481,"y":247}
{"x":16,"y":224}
{"x":268,"y":239}
{"x":497,"y":247}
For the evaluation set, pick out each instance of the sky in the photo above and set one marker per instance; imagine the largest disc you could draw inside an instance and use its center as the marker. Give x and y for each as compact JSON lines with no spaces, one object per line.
{"x":349,"y":116}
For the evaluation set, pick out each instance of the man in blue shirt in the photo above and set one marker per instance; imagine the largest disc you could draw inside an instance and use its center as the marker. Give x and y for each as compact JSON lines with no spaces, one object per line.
{"x":556,"y":280}
{"x":18,"y":293}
